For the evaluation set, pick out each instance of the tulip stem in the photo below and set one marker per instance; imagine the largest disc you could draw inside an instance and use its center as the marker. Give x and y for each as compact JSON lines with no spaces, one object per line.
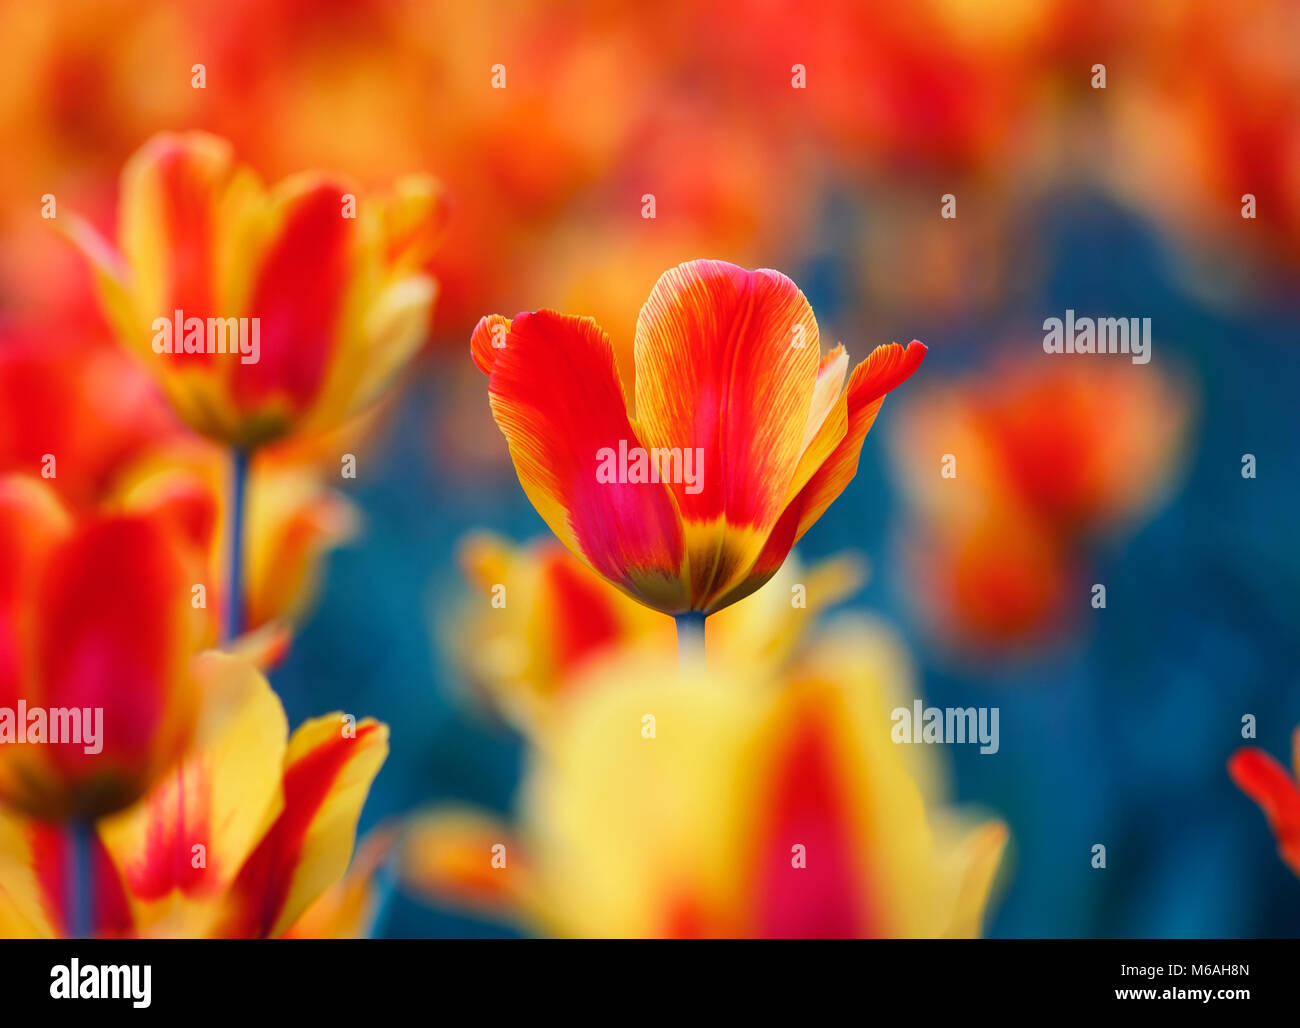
{"x":79,"y":893}
{"x":234,"y":614}
{"x":690,"y":637}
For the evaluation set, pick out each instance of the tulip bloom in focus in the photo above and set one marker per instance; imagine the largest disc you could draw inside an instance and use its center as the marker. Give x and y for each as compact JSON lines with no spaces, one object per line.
{"x":332,"y":276}
{"x":242,"y":838}
{"x":742,"y":433}
{"x":1276,"y":791}
{"x":759,"y":809}
{"x":95,"y":615}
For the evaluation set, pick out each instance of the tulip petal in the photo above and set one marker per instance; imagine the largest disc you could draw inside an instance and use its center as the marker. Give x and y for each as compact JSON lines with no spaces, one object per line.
{"x":299,"y":293}
{"x":34,"y":873}
{"x":348,"y":909}
{"x":727,"y":366}
{"x":449,"y":857}
{"x":31,"y":872}
{"x":307,"y":847}
{"x":171,"y":190}
{"x":490,"y":335}
{"x":180,"y":848}
{"x":885,"y":368}
{"x":556,"y":396}
{"x":1267,"y":782}
{"x":982,"y":853}
{"x":32,"y":522}
{"x":805,"y":805}
{"x":116,"y":633}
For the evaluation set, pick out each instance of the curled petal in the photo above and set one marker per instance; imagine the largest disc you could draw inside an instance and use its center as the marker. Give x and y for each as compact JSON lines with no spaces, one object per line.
{"x":307,"y":846}
{"x":885,"y":368}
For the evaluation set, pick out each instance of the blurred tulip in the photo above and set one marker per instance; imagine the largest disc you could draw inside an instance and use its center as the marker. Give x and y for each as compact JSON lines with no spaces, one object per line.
{"x":245,"y":835}
{"x":293,"y":521}
{"x":543,"y":615}
{"x":331,"y":277}
{"x":73,"y":410}
{"x":94,"y":615}
{"x":729,"y":381}
{"x":1013,"y":473}
{"x":1276,"y":791}
{"x":686,"y":804}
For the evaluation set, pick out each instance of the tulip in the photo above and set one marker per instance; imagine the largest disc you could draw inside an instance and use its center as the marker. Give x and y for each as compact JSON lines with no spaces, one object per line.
{"x":331,"y":277}
{"x":241,"y":839}
{"x":73,"y":411}
{"x":679,"y":803}
{"x":96,"y":616}
{"x":292,"y":522}
{"x":743,"y":433}
{"x":263,"y":313}
{"x":527,"y":654}
{"x":1014,"y":474}
{"x":1276,"y":791}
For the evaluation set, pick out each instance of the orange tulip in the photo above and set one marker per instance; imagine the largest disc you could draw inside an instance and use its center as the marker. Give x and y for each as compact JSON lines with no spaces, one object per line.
{"x":1276,"y":791}
{"x":95,"y":623}
{"x":320,"y":283}
{"x":743,"y":434}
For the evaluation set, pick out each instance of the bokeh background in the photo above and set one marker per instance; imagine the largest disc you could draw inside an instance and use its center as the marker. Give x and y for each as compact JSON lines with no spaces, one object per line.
{"x":1124,"y":200}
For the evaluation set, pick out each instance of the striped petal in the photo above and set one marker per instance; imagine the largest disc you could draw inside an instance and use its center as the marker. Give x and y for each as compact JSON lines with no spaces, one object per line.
{"x":172,"y":189}
{"x":307,"y":846}
{"x":299,"y":291}
{"x":34,"y":873}
{"x":727,"y":367}
{"x":180,"y":848}
{"x":556,"y":396}
{"x":807,"y":806}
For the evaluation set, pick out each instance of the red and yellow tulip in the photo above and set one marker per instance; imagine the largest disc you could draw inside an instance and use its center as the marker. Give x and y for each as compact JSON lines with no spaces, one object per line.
{"x":95,"y":614}
{"x":541,"y":615}
{"x":680,"y":803}
{"x":1013,"y":474}
{"x":1276,"y":791}
{"x":728,"y":373}
{"x":332,"y":275}
{"x":240,"y":839}
{"x":293,"y":521}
